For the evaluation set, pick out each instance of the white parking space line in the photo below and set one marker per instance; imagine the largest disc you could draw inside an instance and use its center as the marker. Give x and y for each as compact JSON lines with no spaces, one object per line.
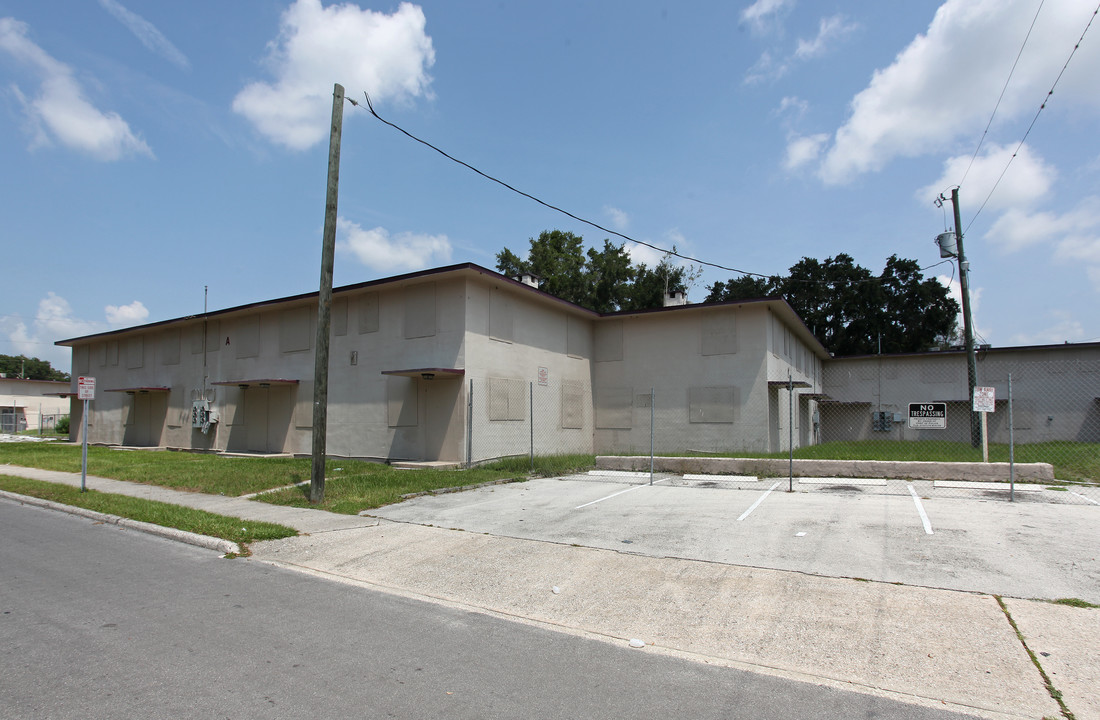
{"x":636,"y":487}
{"x":757,"y":503}
{"x":920,"y":509}
{"x":1086,"y":499}
{"x":733,"y":478}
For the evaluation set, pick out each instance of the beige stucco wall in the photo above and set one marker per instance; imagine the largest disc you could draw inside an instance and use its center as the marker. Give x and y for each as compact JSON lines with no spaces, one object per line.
{"x":1055,"y":393}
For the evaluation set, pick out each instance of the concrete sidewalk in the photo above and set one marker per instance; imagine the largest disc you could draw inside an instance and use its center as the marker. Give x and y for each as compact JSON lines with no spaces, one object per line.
{"x":937,"y":648}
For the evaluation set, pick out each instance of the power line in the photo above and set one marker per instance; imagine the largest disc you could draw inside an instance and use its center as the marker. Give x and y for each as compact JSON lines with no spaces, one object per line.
{"x":1001,"y":97}
{"x":1042,"y":106}
{"x":673,"y":252}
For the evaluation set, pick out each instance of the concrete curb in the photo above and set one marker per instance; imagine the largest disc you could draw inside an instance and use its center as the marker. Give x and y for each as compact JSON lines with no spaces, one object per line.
{"x":980,"y":472}
{"x":204,"y":541}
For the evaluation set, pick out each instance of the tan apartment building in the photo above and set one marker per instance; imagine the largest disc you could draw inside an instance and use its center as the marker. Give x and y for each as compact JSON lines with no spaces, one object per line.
{"x":456,"y":364}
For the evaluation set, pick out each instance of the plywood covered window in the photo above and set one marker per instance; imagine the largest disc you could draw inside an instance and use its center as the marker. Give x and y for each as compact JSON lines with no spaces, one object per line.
{"x":712,"y":404}
{"x":294,"y":329}
{"x":572,"y":405}
{"x":246,"y":337}
{"x":170,"y":347}
{"x":507,"y":399}
{"x":367,"y":309}
{"x":500,"y":315}
{"x":135,"y":352}
{"x":609,"y":341}
{"x":420,"y":312}
{"x":719,"y":334}
{"x":613,"y":407}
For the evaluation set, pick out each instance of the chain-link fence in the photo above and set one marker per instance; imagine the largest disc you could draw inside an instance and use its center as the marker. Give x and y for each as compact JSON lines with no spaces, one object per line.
{"x":884,"y":424}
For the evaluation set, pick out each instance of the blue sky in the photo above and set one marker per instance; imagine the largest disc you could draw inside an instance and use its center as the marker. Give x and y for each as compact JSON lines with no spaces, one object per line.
{"x":150,"y":149}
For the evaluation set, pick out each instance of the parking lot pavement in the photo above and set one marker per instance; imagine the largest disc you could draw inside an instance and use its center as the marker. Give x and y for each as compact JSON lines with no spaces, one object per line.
{"x":1027,"y":550}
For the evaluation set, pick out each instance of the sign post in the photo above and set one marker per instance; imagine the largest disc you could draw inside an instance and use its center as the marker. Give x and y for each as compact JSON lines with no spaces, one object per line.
{"x":984,"y":403}
{"x":85,"y":390}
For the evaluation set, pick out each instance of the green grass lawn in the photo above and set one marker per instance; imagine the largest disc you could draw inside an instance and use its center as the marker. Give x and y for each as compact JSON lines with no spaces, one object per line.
{"x":350,"y":486}
{"x":234,"y":529}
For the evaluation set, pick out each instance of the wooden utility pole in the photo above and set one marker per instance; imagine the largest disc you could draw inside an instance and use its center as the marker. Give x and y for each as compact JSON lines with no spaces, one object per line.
{"x":968,"y":324}
{"x":324,"y":303}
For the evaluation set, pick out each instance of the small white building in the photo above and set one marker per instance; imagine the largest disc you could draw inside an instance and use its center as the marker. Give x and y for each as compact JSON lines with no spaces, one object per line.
{"x":32,"y":404}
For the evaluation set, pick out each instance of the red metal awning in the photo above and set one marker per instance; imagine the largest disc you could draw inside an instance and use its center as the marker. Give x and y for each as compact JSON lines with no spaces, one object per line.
{"x":429,"y":373}
{"x":258,"y":382}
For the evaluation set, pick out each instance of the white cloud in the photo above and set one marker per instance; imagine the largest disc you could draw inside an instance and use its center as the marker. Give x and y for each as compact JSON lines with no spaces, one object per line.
{"x":126,"y":315}
{"x":1028,"y":179}
{"x":802,"y":150}
{"x":619,"y":219}
{"x":388,"y":56}
{"x":829,"y":30}
{"x":954,"y":289}
{"x":762,"y":14}
{"x":383,"y":252}
{"x":152,"y":38}
{"x":770,"y":68}
{"x":644,"y":255}
{"x":945,"y":83}
{"x":1074,"y":235}
{"x":61,"y":112}
{"x":1061,"y":328}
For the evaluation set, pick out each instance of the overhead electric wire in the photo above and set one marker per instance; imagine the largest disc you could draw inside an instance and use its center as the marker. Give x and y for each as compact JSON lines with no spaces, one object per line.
{"x":1002,"y":95}
{"x":672,"y":253}
{"x":1042,"y":106}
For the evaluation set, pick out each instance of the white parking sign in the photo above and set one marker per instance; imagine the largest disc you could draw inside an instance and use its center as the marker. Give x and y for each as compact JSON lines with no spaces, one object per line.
{"x":984,"y":400}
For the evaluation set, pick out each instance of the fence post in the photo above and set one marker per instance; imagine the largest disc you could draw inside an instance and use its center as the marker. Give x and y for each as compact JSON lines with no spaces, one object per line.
{"x":790,"y":432}
{"x":652,"y":403}
{"x":470,"y":426}
{"x":531,"y":412}
{"x":1011,"y":447}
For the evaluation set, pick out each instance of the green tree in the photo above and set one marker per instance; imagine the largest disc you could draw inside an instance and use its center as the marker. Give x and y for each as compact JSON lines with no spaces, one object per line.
{"x":603,"y":280}
{"x":21,"y":366}
{"x":851,"y":311}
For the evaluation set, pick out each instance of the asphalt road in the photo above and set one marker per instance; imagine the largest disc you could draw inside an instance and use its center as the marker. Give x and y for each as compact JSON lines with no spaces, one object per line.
{"x":97,"y":621}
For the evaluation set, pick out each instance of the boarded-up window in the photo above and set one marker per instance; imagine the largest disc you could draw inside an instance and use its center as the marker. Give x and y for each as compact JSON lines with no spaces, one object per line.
{"x":939,"y":372}
{"x":294,"y":329}
{"x":577,"y":337}
{"x":572,"y":405}
{"x":194,"y":339}
{"x":719,"y":334}
{"x":367,"y":310}
{"x":609,"y":341}
{"x":340,"y":316}
{"x":420,"y":310}
{"x":500,"y":315}
{"x":401,"y":401}
{"x":613,"y":406}
{"x":170,"y":347}
{"x":712,"y":404}
{"x":81,"y":355}
{"x":135,"y":352}
{"x":506,"y":399}
{"x":303,"y":408}
{"x":246,"y":337}
{"x":112,"y":352}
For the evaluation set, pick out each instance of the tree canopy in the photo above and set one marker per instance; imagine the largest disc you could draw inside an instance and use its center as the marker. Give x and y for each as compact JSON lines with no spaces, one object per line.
{"x":603,"y":280}
{"x":851,"y":310}
{"x":20,"y":366}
